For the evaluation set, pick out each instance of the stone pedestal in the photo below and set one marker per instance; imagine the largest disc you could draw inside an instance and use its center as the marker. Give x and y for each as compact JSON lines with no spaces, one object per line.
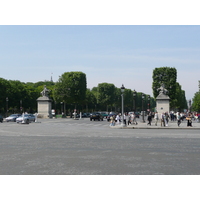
{"x":162,"y":104}
{"x":44,"y":107}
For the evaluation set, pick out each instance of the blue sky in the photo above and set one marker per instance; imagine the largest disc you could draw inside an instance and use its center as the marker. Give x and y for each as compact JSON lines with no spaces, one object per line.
{"x":112,"y":54}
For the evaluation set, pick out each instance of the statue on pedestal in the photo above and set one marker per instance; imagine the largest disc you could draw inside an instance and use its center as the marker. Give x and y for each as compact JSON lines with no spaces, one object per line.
{"x":45,"y":92}
{"x":162,"y":100}
{"x":44,"y":104}
{"x":162,"y":89}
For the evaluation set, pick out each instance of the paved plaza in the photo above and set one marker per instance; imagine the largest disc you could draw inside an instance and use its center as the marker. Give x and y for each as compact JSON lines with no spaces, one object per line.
{"x":84,"y":147}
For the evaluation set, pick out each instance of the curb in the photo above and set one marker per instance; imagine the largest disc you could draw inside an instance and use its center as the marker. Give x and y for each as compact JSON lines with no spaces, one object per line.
{"x":133,"y":127}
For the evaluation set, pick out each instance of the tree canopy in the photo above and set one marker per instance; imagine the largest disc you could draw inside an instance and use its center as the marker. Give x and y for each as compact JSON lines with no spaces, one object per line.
{"x":196,"y":102}
{"x":167,"y":76}
{"x":71,"y":88}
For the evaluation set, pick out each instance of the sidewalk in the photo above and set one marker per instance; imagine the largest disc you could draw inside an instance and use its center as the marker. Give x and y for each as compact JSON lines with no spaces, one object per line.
{"x":171,"y":125}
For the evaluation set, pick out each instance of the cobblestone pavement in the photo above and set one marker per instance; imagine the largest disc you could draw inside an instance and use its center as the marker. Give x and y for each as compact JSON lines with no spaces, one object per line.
{"x":82,"y":147}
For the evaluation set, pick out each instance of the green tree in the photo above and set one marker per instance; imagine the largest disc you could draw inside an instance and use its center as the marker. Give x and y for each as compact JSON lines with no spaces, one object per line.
{"x":128,"y":100}
{"x":95,"y":93}
{"x":180,"y":99}
{"x":18,"y":93}
{"x":117,"y":99}
{"x":71,"y":88}
{"x":22,"y":95}
{"x":106,"y":94}
{"x":90,"y":100}
{"x":4,"y":91}
{"x":196,"y":102}
{"x":42,"y":83}
{"x":31,"y":99}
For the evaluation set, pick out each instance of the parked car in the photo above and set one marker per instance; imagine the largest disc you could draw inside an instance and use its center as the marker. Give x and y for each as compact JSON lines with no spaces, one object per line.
{"x":113,"y":113}
{"x":95,"y":116}
{"x":27,"y":118}
{"x":104,"y":114}
{"x":12,"y":118}
{"x":137,"y":114}
{"x":86,"y":115}
{"x":1,"y":119}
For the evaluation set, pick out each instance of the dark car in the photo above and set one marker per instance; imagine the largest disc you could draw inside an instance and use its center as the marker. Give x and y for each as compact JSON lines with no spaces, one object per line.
{"x":1,"y":119}
{"x":104,"y":114}
{"x":95,"y":116}
{"x":86,"y":115}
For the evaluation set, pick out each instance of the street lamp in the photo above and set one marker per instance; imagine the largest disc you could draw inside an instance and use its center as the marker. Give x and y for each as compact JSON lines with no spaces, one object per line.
{"x":61,"y":108}
{"x":190,"y":105}
{"x":134,"y":96}
{"x":143,"y":108}
{"x":21,"y":106}
{"x":55,"y":108}
{"x":7,"y":106}
{"x":122,"y":91}
{"x":149,"y":102}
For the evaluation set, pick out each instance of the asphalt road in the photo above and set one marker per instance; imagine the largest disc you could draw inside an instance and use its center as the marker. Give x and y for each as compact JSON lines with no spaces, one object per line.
{"x":81,"y":147}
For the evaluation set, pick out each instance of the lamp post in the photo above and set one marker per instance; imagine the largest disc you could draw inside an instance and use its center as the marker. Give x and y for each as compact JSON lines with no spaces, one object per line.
{"x":134,"y":96}
{"x":55,"y":109}
{"x":21,"y":106}
{"x":143,"y":108}
{"x":190,"y":105}
{"x":61,"y":108}
{"x":7,"y":106}
{"x":149,"y":102}
{"x":122,"y":91}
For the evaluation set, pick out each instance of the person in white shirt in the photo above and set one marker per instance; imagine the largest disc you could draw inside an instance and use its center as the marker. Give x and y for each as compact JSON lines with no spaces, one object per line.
{"x":117,"y":119}
{"x":156,"y":118}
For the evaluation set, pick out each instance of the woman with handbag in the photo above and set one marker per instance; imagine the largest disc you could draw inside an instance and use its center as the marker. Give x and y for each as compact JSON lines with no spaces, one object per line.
{"x":189,"y":120}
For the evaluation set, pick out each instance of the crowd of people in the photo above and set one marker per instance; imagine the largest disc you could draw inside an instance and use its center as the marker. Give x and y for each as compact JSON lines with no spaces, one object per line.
{"x":164,"y":118}
{"x":128,"y":119}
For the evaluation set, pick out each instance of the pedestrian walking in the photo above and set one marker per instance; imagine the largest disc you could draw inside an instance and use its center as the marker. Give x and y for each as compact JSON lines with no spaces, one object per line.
{"x":129,"y":119}
{"x":178,"y":116}
{"x":125,"y":118}
{"x":156,"y":118}
{"x":166,"y":119}
{"x":134,"y":119}
{"x":117,"y":119}
{"x":149,"y":118}
{"x":162,"y":119}
{"x":112,"y":121}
